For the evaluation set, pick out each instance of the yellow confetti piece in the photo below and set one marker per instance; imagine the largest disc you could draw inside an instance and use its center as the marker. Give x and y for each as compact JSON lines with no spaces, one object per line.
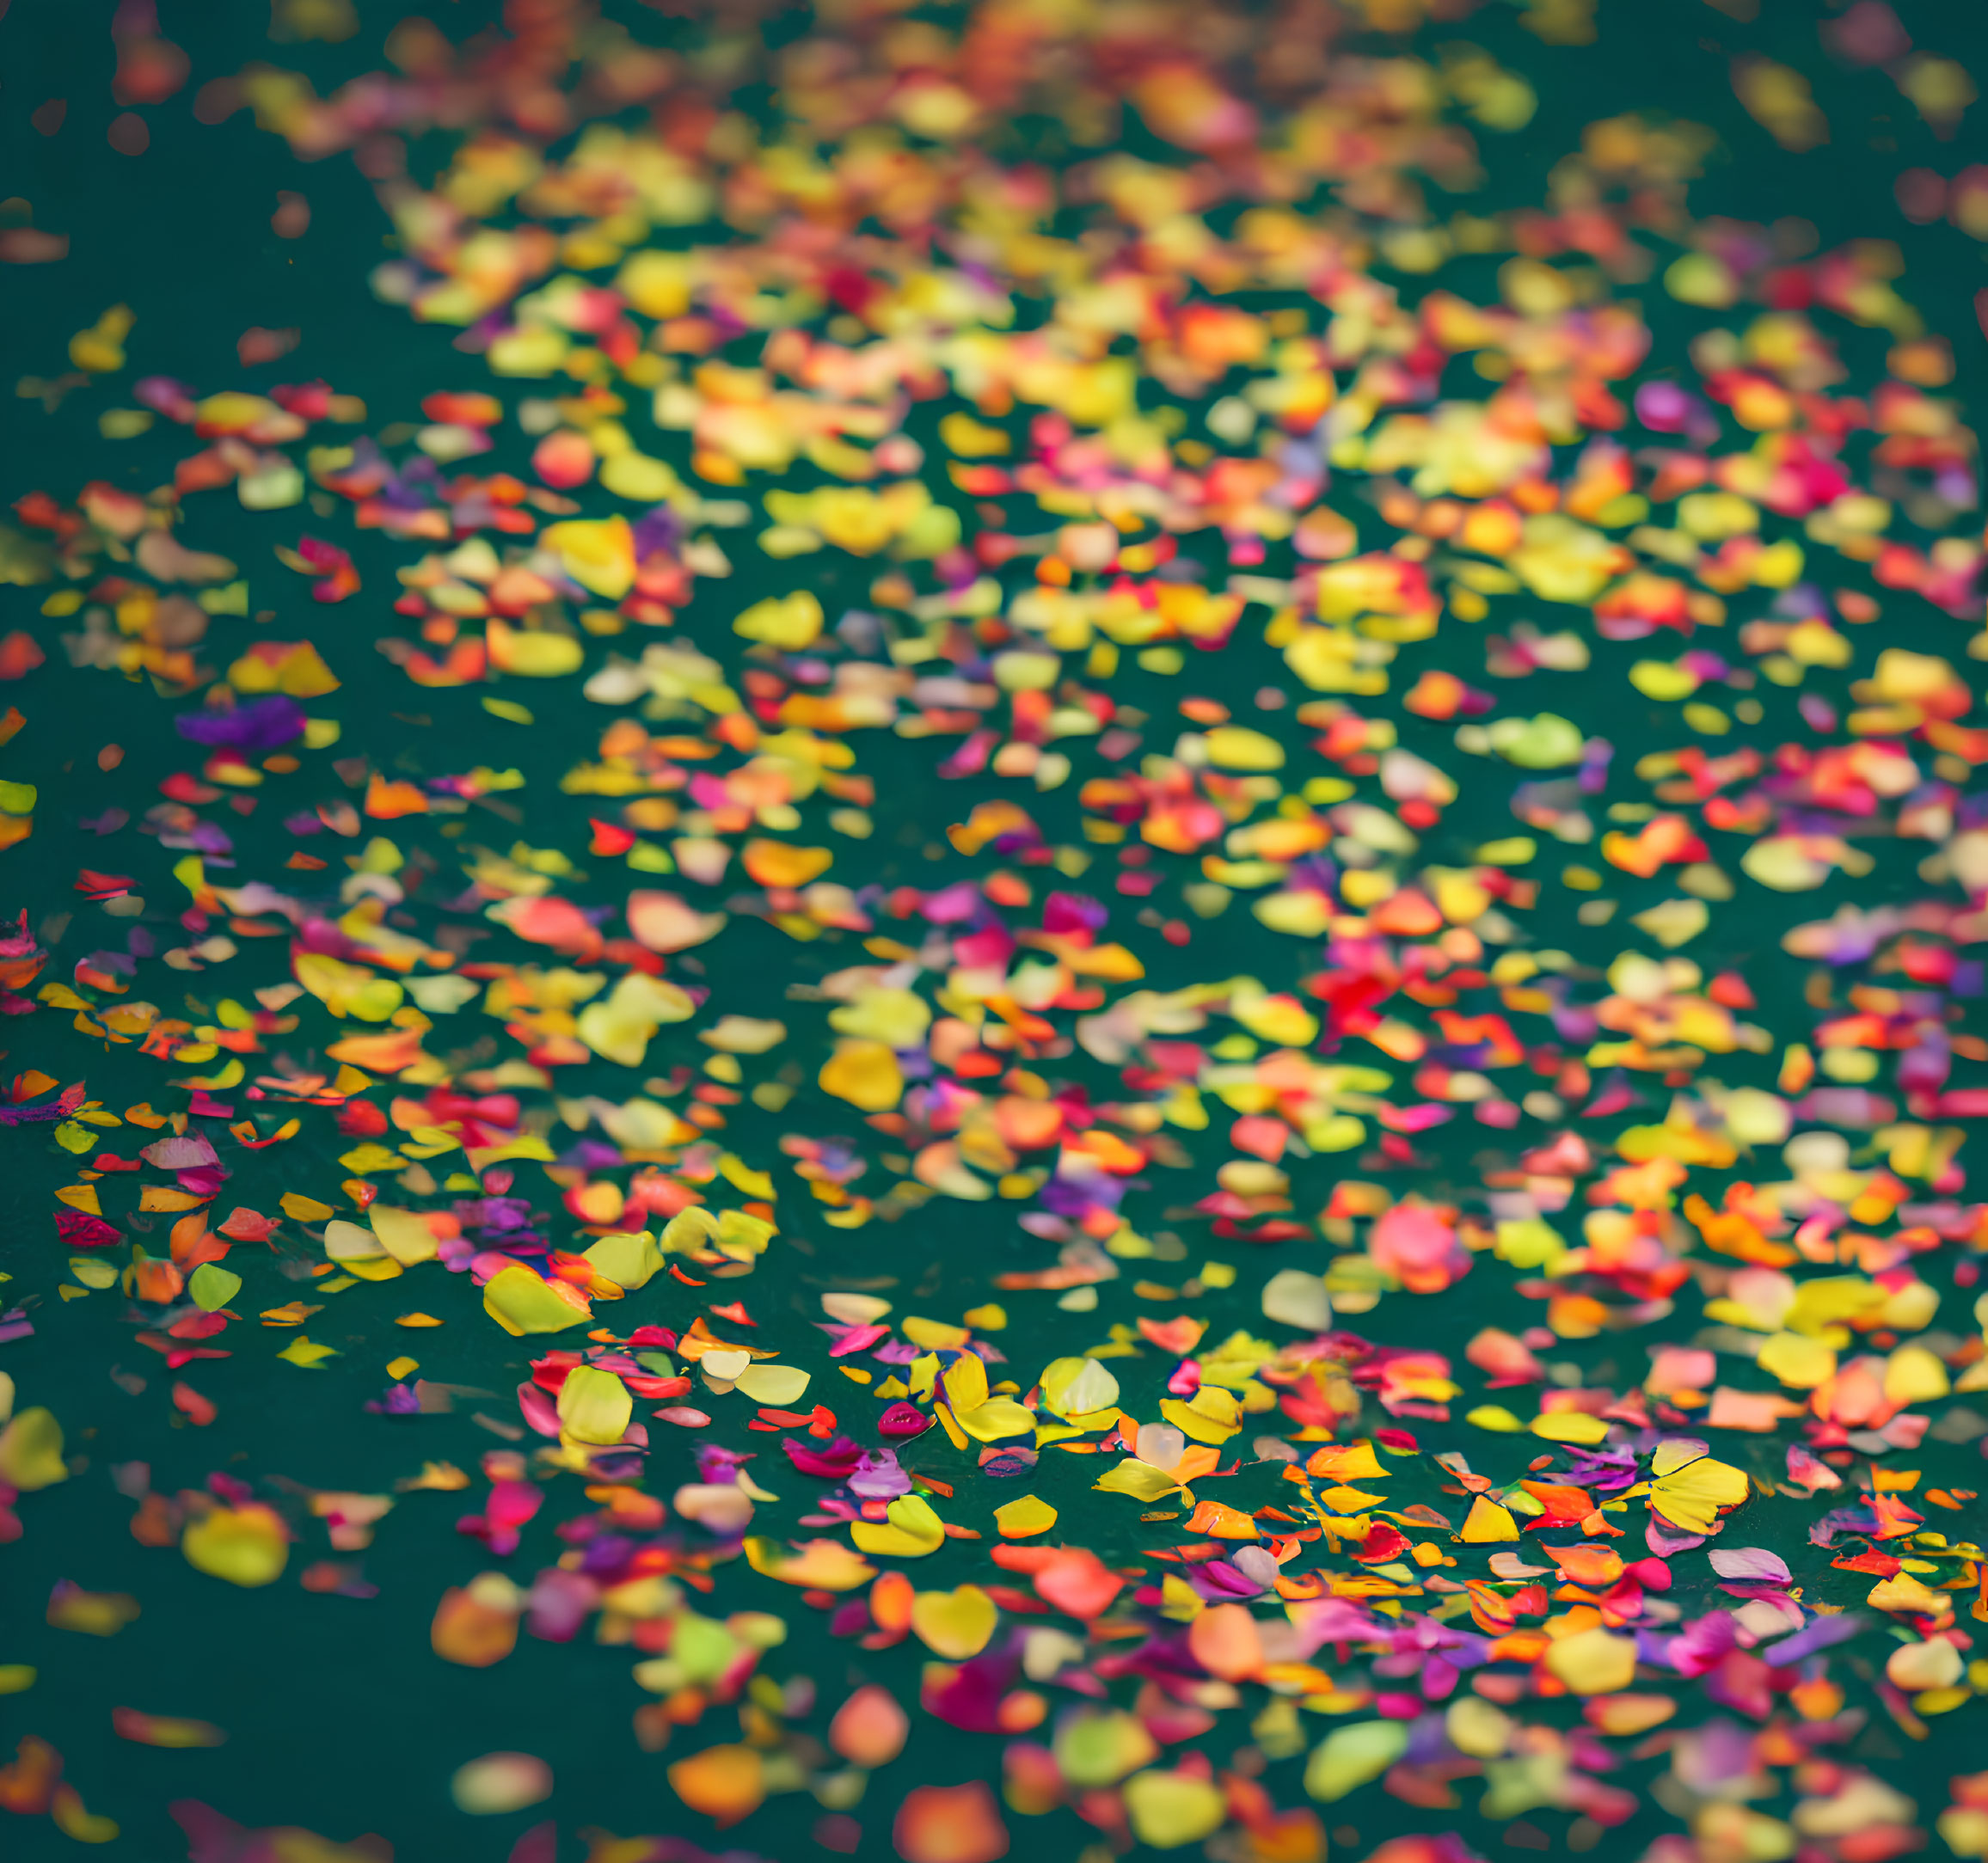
{"x":521,"y":1302}
{"x":307,"y":1352}
{"x":815,"y":1564}
{"x":956,"y":1624}
{"x":246,"y":1546}
{"x":1024,"y":1518}
{"x":1593,"y":1661}
{"x":31,"y":1450}
{"x":1488,"y":1521}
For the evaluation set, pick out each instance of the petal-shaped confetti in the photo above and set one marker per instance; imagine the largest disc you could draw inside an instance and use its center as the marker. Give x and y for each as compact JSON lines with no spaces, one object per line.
{"x":869,"y":1728}
{"x":956,"y":1624}
{"x":949,"y":1824}
{"x":247,"y":1546}
{"x":594,"y":1406}
{"x":722,"y":1783}
{"x":500,"y":1782}
{"x":1170,"y":1809}
{"x":1348,"y":1757}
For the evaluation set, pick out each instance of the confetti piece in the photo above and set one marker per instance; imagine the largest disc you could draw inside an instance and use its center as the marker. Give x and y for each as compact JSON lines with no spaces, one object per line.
{"x":723,"y":1783}
{"x":95,"y":1613}
{"x":869,"y":1728}
{"x":247,"y":1546}
{"x":500,"y":1782}
{"x":164,"y":1730}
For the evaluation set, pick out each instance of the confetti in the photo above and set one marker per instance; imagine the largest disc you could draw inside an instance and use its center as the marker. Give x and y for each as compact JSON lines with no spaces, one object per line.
{"x":1204,"y":1051}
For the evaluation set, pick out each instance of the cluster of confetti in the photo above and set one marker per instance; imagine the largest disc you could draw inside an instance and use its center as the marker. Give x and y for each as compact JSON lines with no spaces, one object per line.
{"x":1175,"y":966}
